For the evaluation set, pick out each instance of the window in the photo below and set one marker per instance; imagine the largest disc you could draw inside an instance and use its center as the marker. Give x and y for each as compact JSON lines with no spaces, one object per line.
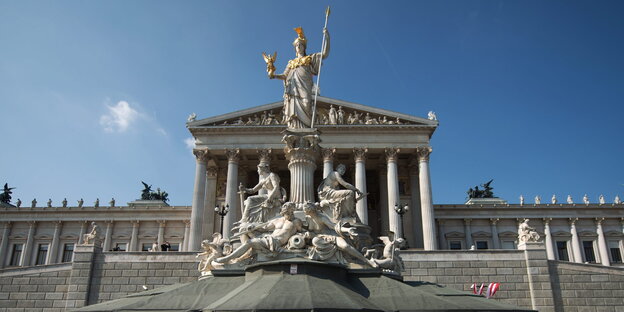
{"x":614,"y":251}
{"x":455,"y":245}
{"x":146,"y":247}
{"x":175,"y":247}
{"x":562,"y":250}
{"x":120,"y":247}
{"x":16,"y":255}
{"x":588,"y":248}
{"x":509,"y":245}
{"x":42,"y":253}
{"x":482,"y":245}
{"x":68,"y":252}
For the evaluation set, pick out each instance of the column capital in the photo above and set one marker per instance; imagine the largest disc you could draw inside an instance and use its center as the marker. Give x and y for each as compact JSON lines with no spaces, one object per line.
{"x":109,"y":221}
{"x":161,"y":222}
{"x":57,"y":222}
{"x":359,"y":153}
{"x":8,"y":223}
{"x":212,"y":171}
{"x":572,"y":221}
{"x":467,"y":221}
{"x":134,"y":222}
{"x":328,"y":153}
{"x":441,"y":221}
{"x":599,"y":221}
{"x":187,"y":222}
{"x":546,"y":220}
{"x":392,"y":154}
{"x":201,"y":155}
{"x":493,"y":221}
{"x":232,"y":154}
{"x":264,"y":155}
{"x":31,"y":223}
{"x":423,"y":152}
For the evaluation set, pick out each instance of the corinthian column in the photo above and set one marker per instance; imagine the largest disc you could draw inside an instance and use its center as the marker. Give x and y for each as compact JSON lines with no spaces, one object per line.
{"x":199,"y":193}
{"x":426,"y":202}
{"x":231,"y":191}
{"x":392,"y":156}
{"x":360,"y":182}
{"x":415,"y":206}
{"x":576,"y":245}
{"x":29,"y":243}
{"x":548,"y":240}
{"x":108,"y":236}
{"x":468,"y":233}
{"x":328,"y":160}
{"x":602,"y":243}
{"x":52,"y":255}
{"x":134,"y":237}
{"x":301,"y":150}
{"x":5,"y":242}
{"x":494,"y":231}
{"x":210,"y":202}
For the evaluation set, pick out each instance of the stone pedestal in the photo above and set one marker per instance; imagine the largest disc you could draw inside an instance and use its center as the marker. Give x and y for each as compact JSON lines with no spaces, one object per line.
{"x":301,"y":151}
{"x":531,"y":246}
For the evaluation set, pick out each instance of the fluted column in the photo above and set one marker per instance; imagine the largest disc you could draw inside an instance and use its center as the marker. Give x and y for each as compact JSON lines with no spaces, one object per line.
{"x":494,"y":230}
{"x":301,"y":163}
{"x":468,"y":233}
{"x":83,"y":230}
{"x":134,"y":237}
{"x":199,"y":194}
{"x":29,"y":243}
{"x":392,"y":156}
{"x":328,"y":160}
{"x":264,"y":157}
{"x":360,"y":182}
{"x":548,"y":240}
{"x":426,"y":201}
{"x":383,"y":199}
{"x":161,"y":233}
{"x":210,"y":202}
{"x":576,"y":245}
{"x":185,"y":241}
{"x":4,"y":244}
{"x":108,"y":236}
{"x":231,"y":191}
{"x":602,"y":243}
{"x":415,"y":206}
{"x":53,"y":250}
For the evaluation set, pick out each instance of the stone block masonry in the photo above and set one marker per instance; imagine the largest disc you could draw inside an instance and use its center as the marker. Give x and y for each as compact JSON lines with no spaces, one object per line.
{"x":527,"y":278}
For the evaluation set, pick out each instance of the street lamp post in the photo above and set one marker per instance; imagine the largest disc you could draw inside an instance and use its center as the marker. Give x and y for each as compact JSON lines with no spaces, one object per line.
{"x":401,"y":209}
{"x":222,"y":211}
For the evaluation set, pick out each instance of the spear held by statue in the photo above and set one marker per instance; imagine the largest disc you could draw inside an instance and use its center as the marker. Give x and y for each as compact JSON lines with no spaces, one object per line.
{"x":318,"y":78}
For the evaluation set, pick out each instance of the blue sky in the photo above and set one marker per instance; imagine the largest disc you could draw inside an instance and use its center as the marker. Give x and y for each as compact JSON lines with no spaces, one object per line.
{"x":94,"y":95}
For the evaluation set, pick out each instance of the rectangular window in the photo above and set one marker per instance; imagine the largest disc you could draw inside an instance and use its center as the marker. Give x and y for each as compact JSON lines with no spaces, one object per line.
{"x":68,"y":252}
{"x":509,"y":245}
{"x":175,"y":247}
{"x":588,"y":248}
{"x":455,"y":245}
{"x":146,"y":247}
{"x":120,"y":247}
{"x":16,"y":255}
{"x":42,"y":253}
{"x":614,"y":251}
{"x":482,"y":245}
{"x":562,"y":250}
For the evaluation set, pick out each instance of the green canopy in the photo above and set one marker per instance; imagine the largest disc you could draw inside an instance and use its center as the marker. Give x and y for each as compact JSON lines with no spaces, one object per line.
{"x":312,"y":286}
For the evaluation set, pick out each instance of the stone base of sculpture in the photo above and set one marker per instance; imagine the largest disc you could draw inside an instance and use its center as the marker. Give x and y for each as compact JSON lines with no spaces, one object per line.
{"x":531,"y":246}
{"x":486,"y":201}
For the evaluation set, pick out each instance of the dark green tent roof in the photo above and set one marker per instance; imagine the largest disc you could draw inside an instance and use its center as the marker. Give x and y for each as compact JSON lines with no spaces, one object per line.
{"x":315,"y":287}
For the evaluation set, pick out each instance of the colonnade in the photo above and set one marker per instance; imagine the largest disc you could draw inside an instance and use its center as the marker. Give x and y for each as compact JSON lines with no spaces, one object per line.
{"x":423,"y":221}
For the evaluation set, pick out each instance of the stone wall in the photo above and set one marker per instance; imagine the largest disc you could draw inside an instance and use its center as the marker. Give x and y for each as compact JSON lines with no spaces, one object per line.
{"x":527,"y":278}
{"x":42,"y":288}
{"x":587,"y":287}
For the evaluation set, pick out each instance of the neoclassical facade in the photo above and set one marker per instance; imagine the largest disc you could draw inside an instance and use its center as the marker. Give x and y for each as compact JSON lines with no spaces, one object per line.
{"x":387,"y":158}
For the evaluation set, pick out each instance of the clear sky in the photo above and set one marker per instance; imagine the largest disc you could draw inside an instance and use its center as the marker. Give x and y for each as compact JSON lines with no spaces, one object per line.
{"x":94,"y":95}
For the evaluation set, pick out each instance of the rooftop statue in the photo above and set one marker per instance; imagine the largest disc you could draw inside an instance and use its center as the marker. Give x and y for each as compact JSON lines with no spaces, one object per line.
{"x":5,"y":197}
{"x":486,"y":192}
{"x":298,"y":80}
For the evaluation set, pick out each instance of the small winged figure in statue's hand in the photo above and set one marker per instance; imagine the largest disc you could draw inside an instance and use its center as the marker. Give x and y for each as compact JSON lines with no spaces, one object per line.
{"x":269,"y":60}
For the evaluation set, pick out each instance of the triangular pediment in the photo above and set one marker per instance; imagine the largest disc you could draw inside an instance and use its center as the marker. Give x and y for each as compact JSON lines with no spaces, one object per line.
{"x":330,"y":112}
